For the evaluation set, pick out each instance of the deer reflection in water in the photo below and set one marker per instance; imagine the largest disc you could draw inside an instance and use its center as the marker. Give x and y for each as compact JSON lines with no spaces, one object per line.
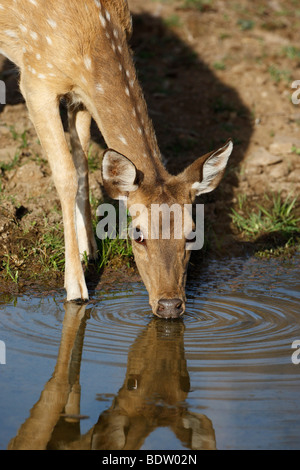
{"x":153,"y":395}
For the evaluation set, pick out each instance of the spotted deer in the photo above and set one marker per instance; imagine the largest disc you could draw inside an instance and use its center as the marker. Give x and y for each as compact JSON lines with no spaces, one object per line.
{"x":79,"y":50}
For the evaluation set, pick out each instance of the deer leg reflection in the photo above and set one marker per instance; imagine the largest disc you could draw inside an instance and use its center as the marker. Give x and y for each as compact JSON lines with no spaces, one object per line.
{"x":62,"y":391}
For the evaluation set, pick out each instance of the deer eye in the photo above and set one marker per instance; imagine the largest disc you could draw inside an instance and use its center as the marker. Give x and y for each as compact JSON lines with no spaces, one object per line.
{"x":139,"y":237}
{"x":191,"y":238}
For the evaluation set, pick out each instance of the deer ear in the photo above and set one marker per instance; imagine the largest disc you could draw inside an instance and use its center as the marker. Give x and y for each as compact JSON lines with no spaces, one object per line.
{"x":119,"y":174}
{"x":205,"y":174}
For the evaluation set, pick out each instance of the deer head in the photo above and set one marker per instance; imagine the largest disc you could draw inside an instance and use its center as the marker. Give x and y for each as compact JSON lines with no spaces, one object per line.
{"x":162,"y":262}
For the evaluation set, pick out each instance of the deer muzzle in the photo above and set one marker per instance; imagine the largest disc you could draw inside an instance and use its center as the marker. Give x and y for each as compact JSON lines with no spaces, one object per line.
{"x":169,"y":308}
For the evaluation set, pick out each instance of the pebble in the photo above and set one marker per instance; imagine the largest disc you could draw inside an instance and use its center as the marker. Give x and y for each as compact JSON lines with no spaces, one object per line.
{"x":261,"y":157}
{"x":282,"y":144}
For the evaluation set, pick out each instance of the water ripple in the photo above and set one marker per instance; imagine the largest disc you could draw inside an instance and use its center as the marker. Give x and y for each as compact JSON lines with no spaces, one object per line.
{"x":237,"y":311}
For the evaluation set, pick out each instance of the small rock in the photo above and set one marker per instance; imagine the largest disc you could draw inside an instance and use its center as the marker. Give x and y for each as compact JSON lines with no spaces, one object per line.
{"x":279,"y":171}
{"x":7,"y":154}
{"x":4,"y":130}
{"x":294,"y":175}
{"x":261,"y":157}
{"x":29,"y":179}
{"x":283,"y":186}
{"x":295,"y":117}
{"x":280,"y":148}
{"x":13,"y":108}
{"x":282,"y":145}
{"x":4,"y":223}
{"x":29,"y":173}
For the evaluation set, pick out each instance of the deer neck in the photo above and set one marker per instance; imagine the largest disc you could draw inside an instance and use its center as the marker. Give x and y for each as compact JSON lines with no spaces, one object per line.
{"x":115,"y":99}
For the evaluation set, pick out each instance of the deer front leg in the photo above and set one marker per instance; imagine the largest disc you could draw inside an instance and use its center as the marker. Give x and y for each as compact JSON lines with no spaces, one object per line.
{"x":79,"y":128}
{"x":43,"y":106}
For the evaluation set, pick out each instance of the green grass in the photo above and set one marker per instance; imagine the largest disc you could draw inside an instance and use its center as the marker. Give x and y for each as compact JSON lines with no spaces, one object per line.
{"x":51,"y":254}
{"x":44,"y":255}
{"x":246,"y":24}
{"x":197,"y":4}
{"x":291,"y":52}
{"x":114,"y":252}
{"x":50,"y":249}
{"x":93,"y":159}
{"x":23,"y":143}
{"x":279,"y":217}
{"x":173,"y":21}
{"x":9,"y":166}
{"x":219,"y":65}
{"x":9,"y":272}
{"x":286,"y":251}
{"x":21,"y":138}
{"x":278,"y":75}
{"x":295,"y":150}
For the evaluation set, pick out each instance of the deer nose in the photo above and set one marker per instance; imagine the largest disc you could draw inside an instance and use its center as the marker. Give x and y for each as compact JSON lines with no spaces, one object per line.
{"x":169,"y":308}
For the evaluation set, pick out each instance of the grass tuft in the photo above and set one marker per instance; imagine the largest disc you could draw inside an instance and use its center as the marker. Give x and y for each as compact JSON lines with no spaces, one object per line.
{"x":200,"y":5}
{"x":280,"y":217}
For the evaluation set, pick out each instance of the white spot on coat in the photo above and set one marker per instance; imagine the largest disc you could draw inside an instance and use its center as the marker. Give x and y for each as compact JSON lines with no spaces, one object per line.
{"x":49,"y":40}
{"x":23,"y":28}
{"x":34,"y":35}
{"x":87,"y":62}
{"x":123,"y":140}
{"x":99,"y":88}
{"x":102,"y":20}
{"x":51,"y":23}
{"x":31,"y":69}
{"x":11,"y":33}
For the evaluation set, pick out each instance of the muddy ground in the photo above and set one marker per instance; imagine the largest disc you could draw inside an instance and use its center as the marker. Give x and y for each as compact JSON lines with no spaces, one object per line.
{"x":210,"y":70}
